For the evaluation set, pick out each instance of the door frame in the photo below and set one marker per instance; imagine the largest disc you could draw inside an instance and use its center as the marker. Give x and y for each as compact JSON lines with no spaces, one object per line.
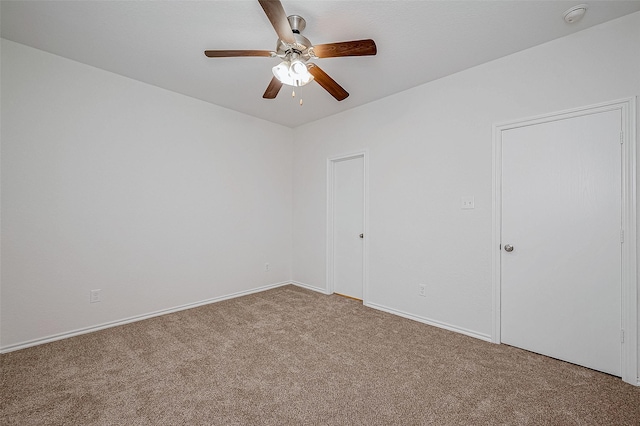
{"x":331,"y":162}
{"x":629,"y":290}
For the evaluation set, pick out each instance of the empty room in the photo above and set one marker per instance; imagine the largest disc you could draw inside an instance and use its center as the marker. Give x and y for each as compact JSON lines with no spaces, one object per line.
{"x":319,"y":212}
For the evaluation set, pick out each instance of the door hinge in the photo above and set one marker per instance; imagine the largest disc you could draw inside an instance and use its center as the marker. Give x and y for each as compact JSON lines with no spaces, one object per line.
{"x":622,"y":235}
{"x":621,"y":137}
{"x":621,"y":336}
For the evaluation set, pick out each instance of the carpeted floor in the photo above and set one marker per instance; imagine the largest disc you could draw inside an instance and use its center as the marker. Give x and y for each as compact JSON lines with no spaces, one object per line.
{"x":292,"y":356}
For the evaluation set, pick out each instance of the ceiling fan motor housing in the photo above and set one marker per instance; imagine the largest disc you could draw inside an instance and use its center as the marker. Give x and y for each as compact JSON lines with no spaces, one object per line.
{"x":302,"y":44}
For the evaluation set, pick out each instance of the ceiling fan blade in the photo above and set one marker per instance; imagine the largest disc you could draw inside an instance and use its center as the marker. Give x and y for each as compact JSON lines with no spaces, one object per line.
{"x":327,"y":82}
{"x":235,"y":53}
{"x":272,"y":89}
{"x":276,"y":14}
{"x":346,"y":48}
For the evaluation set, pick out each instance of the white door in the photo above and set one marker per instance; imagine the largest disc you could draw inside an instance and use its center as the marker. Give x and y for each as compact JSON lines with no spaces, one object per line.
{"x":348,"y":222}
{"x":561,"y":213}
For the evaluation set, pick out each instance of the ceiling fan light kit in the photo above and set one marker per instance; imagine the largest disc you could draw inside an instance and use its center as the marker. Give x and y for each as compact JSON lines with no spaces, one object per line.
{"x":295,"y":50}
{"x":293,"y":72}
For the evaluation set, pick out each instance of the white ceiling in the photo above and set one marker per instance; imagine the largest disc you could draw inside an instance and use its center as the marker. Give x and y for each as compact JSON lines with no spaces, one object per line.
{"x":162,"y":43}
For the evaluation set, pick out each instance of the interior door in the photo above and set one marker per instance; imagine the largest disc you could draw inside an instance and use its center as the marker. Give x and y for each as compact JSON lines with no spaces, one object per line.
{"x":348,"y":223}
{"x":561,"y":239}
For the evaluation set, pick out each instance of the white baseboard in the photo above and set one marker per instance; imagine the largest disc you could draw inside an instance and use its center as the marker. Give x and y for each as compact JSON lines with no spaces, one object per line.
{"x":116,"y":323}
{"x":439,"y":324}
{"x":310,"y":287}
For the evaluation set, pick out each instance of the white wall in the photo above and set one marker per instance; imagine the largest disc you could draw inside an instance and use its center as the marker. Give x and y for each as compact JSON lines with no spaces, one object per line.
{"x":157,"y":199}
{"x":431,"y":145}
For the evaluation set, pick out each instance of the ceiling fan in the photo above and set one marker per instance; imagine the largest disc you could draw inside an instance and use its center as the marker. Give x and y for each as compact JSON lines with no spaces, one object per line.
{"x":295,"y":50}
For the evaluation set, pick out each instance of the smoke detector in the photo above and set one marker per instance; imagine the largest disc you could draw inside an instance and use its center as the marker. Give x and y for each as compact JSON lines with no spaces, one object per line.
{"x":575,"y":14}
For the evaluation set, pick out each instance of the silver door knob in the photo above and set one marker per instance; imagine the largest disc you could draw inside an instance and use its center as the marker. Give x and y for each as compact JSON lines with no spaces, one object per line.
{"x":508,"y":248}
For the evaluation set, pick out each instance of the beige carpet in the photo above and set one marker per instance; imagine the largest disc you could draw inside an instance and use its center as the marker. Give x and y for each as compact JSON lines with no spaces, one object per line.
{"x":291,"y":356}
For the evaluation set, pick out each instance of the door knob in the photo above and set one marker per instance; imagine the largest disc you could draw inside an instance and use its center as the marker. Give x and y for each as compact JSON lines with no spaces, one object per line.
{"x":361,"y":235}
{"x":508,"y":248}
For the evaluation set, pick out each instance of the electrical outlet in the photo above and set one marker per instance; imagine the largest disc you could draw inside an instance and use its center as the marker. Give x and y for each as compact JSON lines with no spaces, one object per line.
{"x":266,"y":267}
{"x":94,"y":296}
{"x":422,"y":290}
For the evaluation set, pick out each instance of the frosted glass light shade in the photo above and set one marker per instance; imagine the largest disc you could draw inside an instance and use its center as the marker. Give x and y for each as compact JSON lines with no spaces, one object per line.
{"x":293,"y":73}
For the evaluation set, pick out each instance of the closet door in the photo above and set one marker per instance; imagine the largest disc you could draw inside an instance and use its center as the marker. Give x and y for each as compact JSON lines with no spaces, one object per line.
{"x":561,"y":251}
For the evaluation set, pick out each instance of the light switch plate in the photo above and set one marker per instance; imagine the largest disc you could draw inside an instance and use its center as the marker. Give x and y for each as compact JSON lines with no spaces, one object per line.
{"x":468,"y":203}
